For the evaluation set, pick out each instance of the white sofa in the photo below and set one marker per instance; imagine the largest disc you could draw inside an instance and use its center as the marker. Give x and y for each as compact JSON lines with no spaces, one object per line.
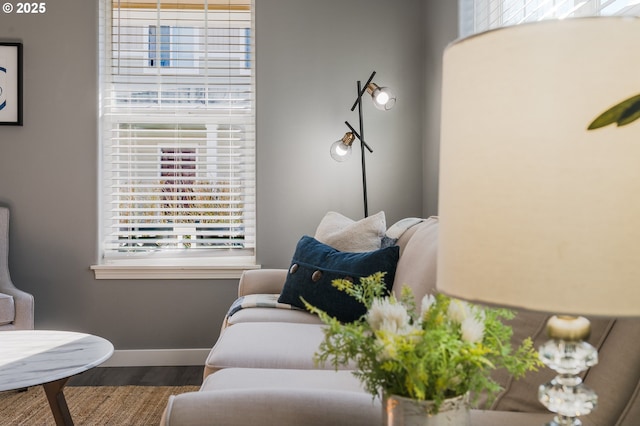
{"x":261,"y":370}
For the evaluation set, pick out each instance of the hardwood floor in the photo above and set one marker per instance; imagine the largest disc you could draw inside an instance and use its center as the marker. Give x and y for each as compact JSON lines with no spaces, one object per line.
{"x":142,"y":376}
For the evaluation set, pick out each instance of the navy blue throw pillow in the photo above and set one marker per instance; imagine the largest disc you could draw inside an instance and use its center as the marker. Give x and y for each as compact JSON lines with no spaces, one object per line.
{"x":315,"y":265}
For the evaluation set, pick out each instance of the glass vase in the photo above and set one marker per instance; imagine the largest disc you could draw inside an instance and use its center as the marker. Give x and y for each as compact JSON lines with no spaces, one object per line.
{"x":401,"y":411}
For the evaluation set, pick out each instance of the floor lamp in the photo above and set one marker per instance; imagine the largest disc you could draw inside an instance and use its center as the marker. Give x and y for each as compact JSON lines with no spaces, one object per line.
{"x":382,"y":99}
{"x":539,"y":198}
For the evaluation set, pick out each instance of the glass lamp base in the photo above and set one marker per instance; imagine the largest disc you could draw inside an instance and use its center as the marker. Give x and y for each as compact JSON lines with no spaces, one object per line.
{"x":568,"y":355}
{"x":564,"y":421}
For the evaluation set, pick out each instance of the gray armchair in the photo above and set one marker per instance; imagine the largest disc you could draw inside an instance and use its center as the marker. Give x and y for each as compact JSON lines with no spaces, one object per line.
{"x":16,"y":306}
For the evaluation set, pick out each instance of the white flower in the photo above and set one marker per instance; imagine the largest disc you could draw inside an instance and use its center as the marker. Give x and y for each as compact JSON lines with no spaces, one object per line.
{"x":472,"y":329}
{"x":391,"y":324}
{"x":427,"y":302}
{"x":470,"y":318}
{"x":459,"y":310}
{"x":389,"y":316}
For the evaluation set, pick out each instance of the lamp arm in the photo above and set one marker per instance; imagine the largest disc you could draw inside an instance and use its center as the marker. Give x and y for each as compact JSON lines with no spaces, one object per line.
{"x":357,"y":135}
{"x":361,"y":91}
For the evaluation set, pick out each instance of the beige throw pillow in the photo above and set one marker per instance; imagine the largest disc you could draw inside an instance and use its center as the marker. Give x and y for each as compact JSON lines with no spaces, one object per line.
{"x":345,"y":234}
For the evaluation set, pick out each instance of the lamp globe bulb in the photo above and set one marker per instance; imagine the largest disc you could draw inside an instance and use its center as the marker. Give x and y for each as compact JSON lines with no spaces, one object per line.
{"x":340,"y":151}
{"x":383,"y":98}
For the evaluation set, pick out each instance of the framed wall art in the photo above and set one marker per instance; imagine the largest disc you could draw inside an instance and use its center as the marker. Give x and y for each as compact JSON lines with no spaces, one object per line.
{"x":11,"y":84}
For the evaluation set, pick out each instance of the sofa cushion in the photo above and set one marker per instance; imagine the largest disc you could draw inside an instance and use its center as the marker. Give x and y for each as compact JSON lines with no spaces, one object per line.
{"x":345,"y":234}
{"x":417,"y":264}
{"x":267,"y":345}
{"x":315,"y":265}
{"x":270,"y":378}
{"x":7,"y":309}
{"x":273,"y":407}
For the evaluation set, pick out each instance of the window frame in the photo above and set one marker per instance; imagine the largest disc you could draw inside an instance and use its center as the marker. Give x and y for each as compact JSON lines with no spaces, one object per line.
{"x":215,"y":263}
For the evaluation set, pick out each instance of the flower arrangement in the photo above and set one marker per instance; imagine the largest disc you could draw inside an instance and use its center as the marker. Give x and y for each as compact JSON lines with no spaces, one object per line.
{"x":446,"y":349}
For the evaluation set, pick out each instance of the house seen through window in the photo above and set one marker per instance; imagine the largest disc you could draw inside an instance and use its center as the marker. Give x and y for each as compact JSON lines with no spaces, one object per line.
{"x":177,"y":129}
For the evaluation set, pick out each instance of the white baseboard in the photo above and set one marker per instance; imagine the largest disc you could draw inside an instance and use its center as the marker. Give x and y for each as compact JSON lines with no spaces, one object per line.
{"x":156,"y":357}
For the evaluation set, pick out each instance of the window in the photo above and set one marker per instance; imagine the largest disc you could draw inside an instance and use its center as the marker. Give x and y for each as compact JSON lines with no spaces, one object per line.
{"x":177,"y":133}
{"x":482,"y":15}
{"x":159,"y":46}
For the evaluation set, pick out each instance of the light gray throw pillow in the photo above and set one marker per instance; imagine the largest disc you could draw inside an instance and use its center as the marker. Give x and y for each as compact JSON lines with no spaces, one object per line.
{"x":345,"y":234}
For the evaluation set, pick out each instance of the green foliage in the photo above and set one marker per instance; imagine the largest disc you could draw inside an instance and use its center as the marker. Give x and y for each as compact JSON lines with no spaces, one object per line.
{"x":622,"y":113}
{"x":449,"y":348}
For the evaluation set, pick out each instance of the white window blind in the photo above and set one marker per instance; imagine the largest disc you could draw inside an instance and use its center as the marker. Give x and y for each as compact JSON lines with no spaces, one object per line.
{"x":177,"y":128}
{"x":482,"y":15}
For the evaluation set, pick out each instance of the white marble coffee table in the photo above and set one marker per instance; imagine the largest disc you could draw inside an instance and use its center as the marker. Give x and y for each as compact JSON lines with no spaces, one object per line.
{"x":49,"y":358}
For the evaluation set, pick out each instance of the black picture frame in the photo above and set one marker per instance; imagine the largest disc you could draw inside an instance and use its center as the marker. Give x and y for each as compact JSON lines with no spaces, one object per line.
{"x":10,"y":84}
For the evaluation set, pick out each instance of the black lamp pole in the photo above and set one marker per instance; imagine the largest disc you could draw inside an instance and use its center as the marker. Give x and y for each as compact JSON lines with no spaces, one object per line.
{"x":360,"y":136}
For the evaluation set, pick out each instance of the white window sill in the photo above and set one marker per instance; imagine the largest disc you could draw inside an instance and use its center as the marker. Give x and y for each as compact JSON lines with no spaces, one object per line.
{"x":174,"y":269}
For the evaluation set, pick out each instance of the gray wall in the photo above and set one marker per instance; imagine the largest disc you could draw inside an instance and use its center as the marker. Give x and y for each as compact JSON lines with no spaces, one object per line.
{"x":310,"y":54}
{"x":306,"y":87}
{"x":441,"y":28}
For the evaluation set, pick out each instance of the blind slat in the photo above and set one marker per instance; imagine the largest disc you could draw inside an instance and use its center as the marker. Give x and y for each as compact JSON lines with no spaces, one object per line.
{"x":178,"y":139}
{"x":482,"y":15}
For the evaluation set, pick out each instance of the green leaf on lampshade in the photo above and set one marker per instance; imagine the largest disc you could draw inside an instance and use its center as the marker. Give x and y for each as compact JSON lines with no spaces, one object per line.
{"x":623,"y":113}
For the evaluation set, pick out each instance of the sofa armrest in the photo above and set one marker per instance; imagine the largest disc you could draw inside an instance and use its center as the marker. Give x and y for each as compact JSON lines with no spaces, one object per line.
{"x":262,"y":281}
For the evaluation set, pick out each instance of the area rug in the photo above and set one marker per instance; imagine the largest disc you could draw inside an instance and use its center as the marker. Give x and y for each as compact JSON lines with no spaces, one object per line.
{"x":91,"y":405}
